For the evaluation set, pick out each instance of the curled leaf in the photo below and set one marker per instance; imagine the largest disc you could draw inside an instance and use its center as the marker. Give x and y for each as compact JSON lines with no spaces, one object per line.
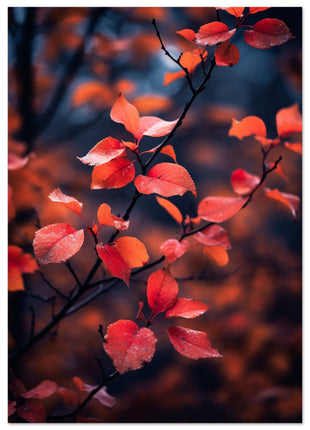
{"x":290,"y":200}
{"x":70,"y":202}
{"x":106,"y":218}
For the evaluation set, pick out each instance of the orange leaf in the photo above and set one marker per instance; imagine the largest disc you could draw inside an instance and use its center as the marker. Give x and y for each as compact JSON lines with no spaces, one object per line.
{"x":295,"y":146}
{"x":173,"y":249}
{"x":173,"y":76}
{"x":126,"y":114}
{"x":171,"y":209}
{"x":243,"y":182}
{"x":190,"y":60}
{"x":267,"y":33}
{"x":104,"y":151}
{"x":187,"y":33}
{"x":213,"y":33}
{"x":95,"y":93}
{"x":236,"y":11}
{"x":132,"y":250}
{"x":56,"y":243}
{"x":154,"y":127}
{"x":114,"y":262}
{"x":288,"y":120}
{"x":248,"y":126}
{"x":166,"y":179}
{"x":257,"y":9}
{"x":162,"y":291}
{"x":218,"y":209}
{"x":227,"y":54}
{"x":68,"y":201}
{"x":186,"y":308}
{"x":106,"y":218}
{"x":18,"y":263}
{"x":290,"y":200}
{"x":115,"y":174}
{"x":149,"y":103}
{"x":168,"y":150}
{"x":213,"y":235}
{"x":129,"y":346}
{"x":217,"y":254}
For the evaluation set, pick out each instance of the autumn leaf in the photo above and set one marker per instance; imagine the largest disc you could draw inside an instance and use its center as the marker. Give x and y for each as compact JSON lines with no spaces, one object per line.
{"x":129,"y":346}
{"x":213,"y":33}
{"x":105,"y":217}
{"x":95,"y":93}
{"x":114,"y":262}
{"x":214,"y":235}
{"x":149,"y":103}
{"x":166,"y":179}
{"x":16,"y":162}
{"x":69,"y":202}
{"x":18,"y":263}
{"x":218,"y":209}
{"x":227,"y":54}
{"x":115,"y":174}
{"x":162,"y":290}
{"x":243,"y":182}
{"x":217,"y":254}
{"x":170,"y":208}
{"x":32,"y":412}
{"x":288,"y":120}
{"x":248,"y":126}
{"x":173,"y":249}
{"x":235,"y":11}
{"x":125,"y":113}
{"x":294,"y":146}
{"x":132,"y":250}
{"x":191,"y":343}
{"x":56,"y":243}
{"x":290,"y":200}
{"x":188,"y":34}
{"x":102,"y":395}
{"x":42,"y":391}
{"x":186,"y":308}
{"x":168,"y":150}
{"x":267,"y":33}
{"x":173,"y":76}
{"x":153,"y":127}
{"x":104,"y":151}
{"x":257,"y":9}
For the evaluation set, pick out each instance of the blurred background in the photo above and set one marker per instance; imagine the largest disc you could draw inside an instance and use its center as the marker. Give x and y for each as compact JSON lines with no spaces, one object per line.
{"x":66,"y":68}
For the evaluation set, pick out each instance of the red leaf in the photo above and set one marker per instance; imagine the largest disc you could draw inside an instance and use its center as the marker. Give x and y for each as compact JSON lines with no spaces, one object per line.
{"x":162,"y":291}
{"x":236,"y":11}
{"x":114,"y":262}
{"x":168,"y":150}
{"x":132,"y":250}
{"x":247,"y":127}
{"x":114,"y":174}
{"x":102,"y":396}
{"x":188,"y":34}
{"x":11,"y":407}
{"x":166,"y":179}
{"x":191,"y":343}
{"x":15,"y":162}
{"x":42,"y":391}
{"x":227,"y":54}
{"x":18,"y":263}
{"x":213,"y":33}
{"x":104,"y":151}
{"x":70,"y":202}
{"x":106,"y":218}
{"x":243,"y":182}
{"x":56,"y":243}
{"x":126,"y":114}
{"x":32,"y":412}
{"x":129,"y":346}
{"x":290,"y":200}
{"x":213,"y":235}
{"x":267,"y":33}
{"x":218,"y":209}
{"x":191,"y":59}
{"x":154,"y":127}
{"x":187,"y":308}
{"x":217,"y":254}
{"x":257,"y":9}
{"x":69,"y":397}
{"x":294,"y":146}
{"x":288,"y":120}
{"x":171,"y":209}
{"x":173,"y":249}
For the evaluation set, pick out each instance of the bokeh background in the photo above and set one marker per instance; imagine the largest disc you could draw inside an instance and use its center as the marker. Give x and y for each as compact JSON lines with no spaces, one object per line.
{"x":66,"y":68}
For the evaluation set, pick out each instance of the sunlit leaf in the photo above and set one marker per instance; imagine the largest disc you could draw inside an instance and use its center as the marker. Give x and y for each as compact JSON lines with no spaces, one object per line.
{"x":257,"y":9}
{"x":267,"y":33}
{"x":227,"y":54}
{"x":187,"y":33}
{"x":213,"y":33}
{"x":173,"y":249}
{"x":218,"y":209}
{"x":170,"y":208}
{"x":129,"y":346}
{"x":69,"y":202}
{"x":162,"y":290}
{"x":104,"y":151}
{"x":290,"y":200}
{"x":186,"y":308}
{"x":288,"y":120}
{"x":114,"y":262}
{"x":243,"y":182}
{"x":217,"y":254}
{"x":191,"y":343}
{"x":236,"y":11}
{"x":248,"y":126}
{"x":126,"y":114}
{"x":132,"y":250}
{"x":213,"y":235}
{"x":106,"y":218}
{"x":154,"y":127}
{"x":56,"y":243}
{"x":114,"y":174}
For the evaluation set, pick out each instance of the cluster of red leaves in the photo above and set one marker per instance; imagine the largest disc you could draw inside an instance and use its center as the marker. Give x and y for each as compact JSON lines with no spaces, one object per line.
{"x":265,"y":34}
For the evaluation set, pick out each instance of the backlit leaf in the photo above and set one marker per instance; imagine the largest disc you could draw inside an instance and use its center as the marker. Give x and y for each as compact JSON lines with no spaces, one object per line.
{"x":162,"y":290}
{"x":213,"y":33}
{"x":104,"y":151}
{"x":186,"y":308}
{"x":217,"y":254}
{"x":129,"y":346}
{"x":126,"y":114}
{"x":187,"y":33}
{"x":191,"y":59}
{"x":267,"y":33}
{"x":227,"y":54}
{"x":170,"y":208}
{"x":236,"y":11}
{"x":173,"y":249}
{"x":168,"y":150}
{"x":95,"y":93}
{"x":42,"y":391}
{"x":70,"y":202}
{"x":290,"y":200}
{"x":114,"y":262}
{"x":243,"y":182}
{"x":114,"y":174}
{"x":18,"y":263}
{"x":247,"y":127}
{"x":213,"y":235}
{"x":257,"y":9}
{"x":56,"y":243}
{"x":218,"y":209}
{"x":154,"y":127}
{"x":150,"y":103}
{"x":32,"y":412}
{"x":166,"y":179}
{"x":106,"y":218}
{"x":288,"y":120}
{"x":173,"y":76}
{"x":132,"y":250}
{"x":191,"y":343}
